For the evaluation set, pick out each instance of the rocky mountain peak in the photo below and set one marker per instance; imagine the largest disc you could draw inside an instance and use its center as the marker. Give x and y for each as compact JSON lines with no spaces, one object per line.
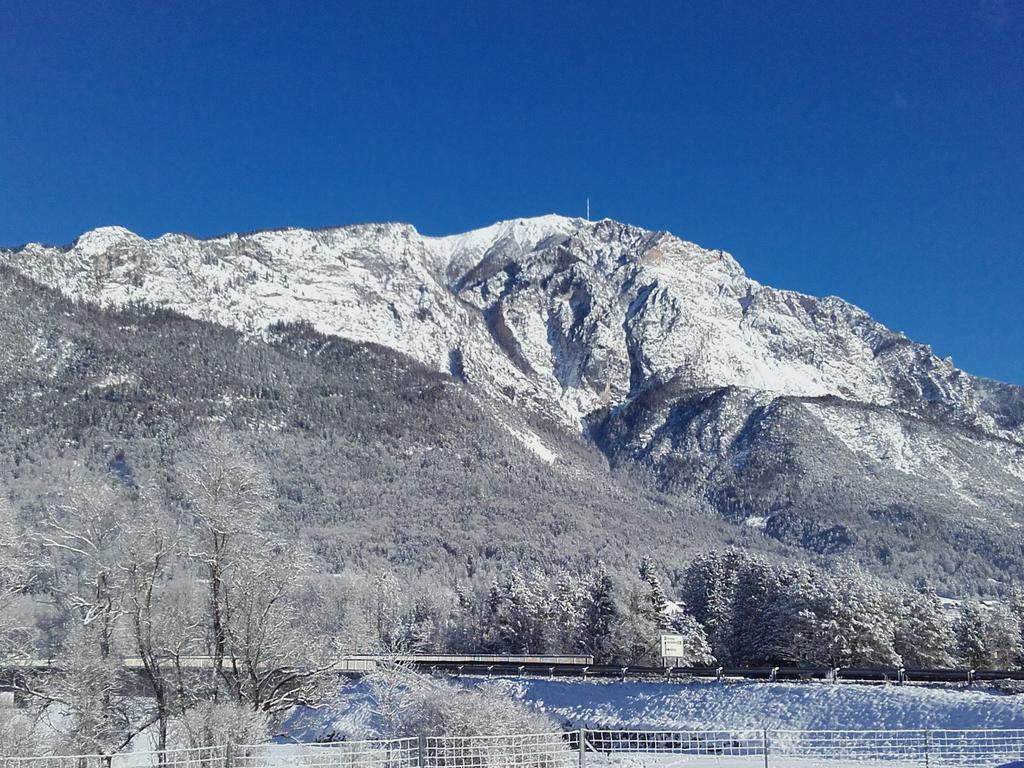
{"x":800,"y":416}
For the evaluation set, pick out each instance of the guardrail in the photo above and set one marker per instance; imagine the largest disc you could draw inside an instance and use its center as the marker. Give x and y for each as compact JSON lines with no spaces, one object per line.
{"x":732,"y":748}
{"x":582,"y":667}
{"x":894,"y":674}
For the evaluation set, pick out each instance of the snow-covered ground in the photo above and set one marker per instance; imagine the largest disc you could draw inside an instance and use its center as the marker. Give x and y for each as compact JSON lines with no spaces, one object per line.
{"x":712,"y":704}
{"x":809,"y":706}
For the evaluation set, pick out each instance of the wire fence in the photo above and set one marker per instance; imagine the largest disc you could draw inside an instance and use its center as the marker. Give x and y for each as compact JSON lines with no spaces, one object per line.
{"x":201,"y":757}
{"x":740,"y":748}
{"x":389,"y":753}
{"x":538,"y":750}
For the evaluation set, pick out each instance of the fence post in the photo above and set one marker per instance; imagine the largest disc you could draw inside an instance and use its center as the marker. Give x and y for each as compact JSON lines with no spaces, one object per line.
{"x":583,"y":745}
{"x":927,"y":748}
{"x":767,"y":746}
{"x":227,"y":755}
{"x":421,"y":751}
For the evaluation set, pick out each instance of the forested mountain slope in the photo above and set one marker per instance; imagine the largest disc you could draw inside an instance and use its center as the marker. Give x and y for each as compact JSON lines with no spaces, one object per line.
{"x":514,"y":364}
{"x":376,"y":459}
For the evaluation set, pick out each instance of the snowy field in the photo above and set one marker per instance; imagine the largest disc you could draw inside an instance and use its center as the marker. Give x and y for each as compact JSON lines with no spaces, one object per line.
{"x":805,"y":706}
{"x":712,"y":704}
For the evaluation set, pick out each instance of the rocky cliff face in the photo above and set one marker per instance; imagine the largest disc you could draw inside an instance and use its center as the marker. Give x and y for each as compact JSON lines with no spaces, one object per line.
{"x":774,"y":403}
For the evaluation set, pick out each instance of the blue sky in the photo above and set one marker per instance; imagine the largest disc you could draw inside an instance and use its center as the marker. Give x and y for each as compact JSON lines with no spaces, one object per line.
{"x":869,"y":150}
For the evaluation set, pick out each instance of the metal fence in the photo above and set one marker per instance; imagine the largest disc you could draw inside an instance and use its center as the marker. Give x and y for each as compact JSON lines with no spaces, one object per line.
{"x":390,"y":753}
{"x":727,"y":748}
{"x":203,"y":757}
{"x":806,"y":749}
{"x":537,"y":750}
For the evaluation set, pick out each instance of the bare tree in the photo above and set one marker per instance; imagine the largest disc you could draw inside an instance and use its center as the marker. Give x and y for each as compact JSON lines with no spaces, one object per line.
{"x":15,"y":578}
{"x":229,"y":498}
{"x":391,"y":685}
{"x":79,"y":536}
{"x":91,"y":694}
{"x":263,"y":648}
{"x":407,"y":703}
{"x":277,"y":658}
{"x":164,"y":627}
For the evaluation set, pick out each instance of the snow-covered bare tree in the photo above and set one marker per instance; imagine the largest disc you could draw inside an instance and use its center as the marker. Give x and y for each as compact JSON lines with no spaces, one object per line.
{"x":410,"y":704}
{"x":79,"y":539}
{"x":16,"y":572}
{"x":19,"y":734}
{"x":276,"y":658}
{"x":159,"y":610}
{"x":391,"y":685}
{"x":383,"y":606}
{"x":229,"y":497}
{"x":263,"y":649}
{"x":91,"y":695}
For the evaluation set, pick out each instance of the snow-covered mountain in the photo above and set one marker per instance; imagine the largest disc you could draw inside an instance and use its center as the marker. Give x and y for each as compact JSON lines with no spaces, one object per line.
{"x":653,"y":347}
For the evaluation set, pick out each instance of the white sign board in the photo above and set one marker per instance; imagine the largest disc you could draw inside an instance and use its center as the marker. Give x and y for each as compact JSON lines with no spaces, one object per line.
{"x":672,"y":647}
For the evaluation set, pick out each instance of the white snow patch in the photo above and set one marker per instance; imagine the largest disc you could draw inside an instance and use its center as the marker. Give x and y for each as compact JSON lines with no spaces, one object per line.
{"x":534,"y":443}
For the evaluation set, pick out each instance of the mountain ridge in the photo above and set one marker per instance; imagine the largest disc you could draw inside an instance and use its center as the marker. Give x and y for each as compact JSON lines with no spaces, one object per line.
{"x":471,"y":267}
{"x":793,"y":414}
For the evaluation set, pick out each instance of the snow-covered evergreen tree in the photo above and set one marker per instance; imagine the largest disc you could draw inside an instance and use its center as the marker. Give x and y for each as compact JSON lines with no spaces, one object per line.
{"x":754,"y":631}
{"x":973,"y":641}
{"x":803,"y":636}
{"x":708,"y":589}
{"x":1003,"y":634}
{"x":864,"y":618}
{"x":656,"y":603}
{"x":567,"y":613}
{"x":600,"y":614}
{"x":923,"y":636}
{"x":697,"y":650}
{"x":517,"y":612}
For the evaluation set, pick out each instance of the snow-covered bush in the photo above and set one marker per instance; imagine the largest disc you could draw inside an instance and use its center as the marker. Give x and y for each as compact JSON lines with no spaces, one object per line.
{"x":218,"y":724}
{"x":18,"y":734}
{"x":411,"y":704}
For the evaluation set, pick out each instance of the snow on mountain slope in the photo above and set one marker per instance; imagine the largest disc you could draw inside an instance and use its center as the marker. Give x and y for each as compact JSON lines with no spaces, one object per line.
{"x":581,"y":313}
{"x":660,"y":348}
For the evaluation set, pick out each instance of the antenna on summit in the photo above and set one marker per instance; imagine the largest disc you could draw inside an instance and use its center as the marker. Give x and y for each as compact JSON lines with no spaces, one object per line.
{"x":588,"y":209}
